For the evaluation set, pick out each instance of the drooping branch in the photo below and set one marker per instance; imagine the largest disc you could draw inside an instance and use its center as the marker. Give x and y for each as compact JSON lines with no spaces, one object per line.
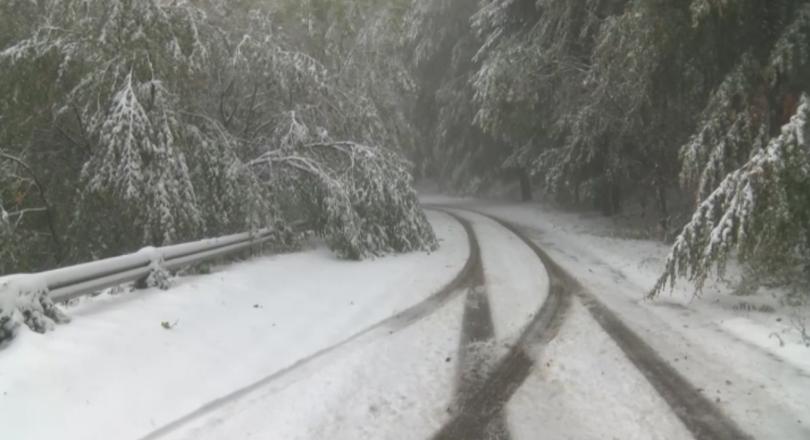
{"x":359,"y":198}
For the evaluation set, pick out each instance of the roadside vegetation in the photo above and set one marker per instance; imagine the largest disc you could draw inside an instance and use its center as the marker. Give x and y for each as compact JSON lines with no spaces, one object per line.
{"x":129,"y":123}
{"x":693,"y":113}
{"x":134,"y":122}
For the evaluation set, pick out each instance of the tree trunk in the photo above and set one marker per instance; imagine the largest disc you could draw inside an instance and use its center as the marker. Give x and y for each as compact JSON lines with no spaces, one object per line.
{"x":609,"y":198}
{"x":664,"y":211}
{"x":525,"y":185}
{"x":615,"y":198}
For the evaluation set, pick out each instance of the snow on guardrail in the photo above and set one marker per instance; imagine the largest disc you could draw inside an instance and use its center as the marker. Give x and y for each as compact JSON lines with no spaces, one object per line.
{"x":30,"y":298}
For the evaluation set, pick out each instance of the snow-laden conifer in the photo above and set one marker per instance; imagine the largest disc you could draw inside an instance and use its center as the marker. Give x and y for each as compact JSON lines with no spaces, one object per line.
{"x":759,"y":213}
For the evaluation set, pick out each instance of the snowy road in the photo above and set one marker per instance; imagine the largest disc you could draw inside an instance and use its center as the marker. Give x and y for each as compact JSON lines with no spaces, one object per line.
{"x":629,"y":364}
{"x":489,"y":338}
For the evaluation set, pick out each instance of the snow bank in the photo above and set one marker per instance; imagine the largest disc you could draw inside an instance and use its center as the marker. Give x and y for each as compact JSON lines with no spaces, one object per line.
{"x":119,"y":372}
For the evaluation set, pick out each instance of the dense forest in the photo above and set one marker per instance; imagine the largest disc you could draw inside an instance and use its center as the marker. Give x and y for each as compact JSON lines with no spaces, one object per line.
{"x":132,"y":122}
{"x":693,"y":109}
{"x":128,"y":123}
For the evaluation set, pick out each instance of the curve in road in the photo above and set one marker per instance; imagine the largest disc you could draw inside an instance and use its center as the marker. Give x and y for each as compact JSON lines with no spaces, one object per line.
{"x":700,"y":416}
{"x":468,"y":276}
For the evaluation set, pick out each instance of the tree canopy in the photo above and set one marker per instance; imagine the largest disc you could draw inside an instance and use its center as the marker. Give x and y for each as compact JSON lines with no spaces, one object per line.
{"x":610,"y":103}
{"x":142,"y":121}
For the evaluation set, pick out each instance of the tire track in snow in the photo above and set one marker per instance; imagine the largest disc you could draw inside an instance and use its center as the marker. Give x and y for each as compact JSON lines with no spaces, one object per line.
{"x":700,"y":416}
{"x":396,"y":323}
{"x":481,"y":412}
{"x":477,"y":330}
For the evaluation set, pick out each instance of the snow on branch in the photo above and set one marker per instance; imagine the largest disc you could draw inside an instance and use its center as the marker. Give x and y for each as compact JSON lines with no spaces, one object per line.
{"x":24,"y":299}
{"x":760,"y":212}
{"x":359,"y":198}
{"x":139,"y":162}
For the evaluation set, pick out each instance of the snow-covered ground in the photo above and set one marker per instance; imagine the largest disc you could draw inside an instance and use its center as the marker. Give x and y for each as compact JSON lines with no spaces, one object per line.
{"x":250,"y":353}
{"x":270,"y":349}
{"x":732,"y":354}
{"x":394,"y":386}
{"x":583,"y":388}
{"x":386,"y":386}
{"x":116,"y":372}
{"x":245,"y":357}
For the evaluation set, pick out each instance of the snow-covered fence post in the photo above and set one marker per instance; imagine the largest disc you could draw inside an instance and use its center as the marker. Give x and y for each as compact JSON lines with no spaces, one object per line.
{"x":158,"y":276}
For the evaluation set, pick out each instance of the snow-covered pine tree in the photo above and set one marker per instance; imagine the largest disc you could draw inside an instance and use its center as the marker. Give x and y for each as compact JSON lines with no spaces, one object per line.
{"x":735,"y":124}
{"x":733,"y":159}
{"x":160,"y":161}
{"x":755,"y":98}
{"x":636,"y":108}
{"x":368,"y":55}
{"x":536,"y":90}
{"x":129,"y":67}
{"x":119,"y":67}
{"x":526,"y":50}
{"x":155,"y":107}
{"x":298,"y":102}
{"x":139,"y":171}
{"x":442,"y":44}
{"x":759,"y":213}
{"x":261,"y":76}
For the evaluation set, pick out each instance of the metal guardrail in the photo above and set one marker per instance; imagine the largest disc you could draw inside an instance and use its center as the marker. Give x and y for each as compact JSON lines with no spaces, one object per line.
{"x":71,"y":282}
